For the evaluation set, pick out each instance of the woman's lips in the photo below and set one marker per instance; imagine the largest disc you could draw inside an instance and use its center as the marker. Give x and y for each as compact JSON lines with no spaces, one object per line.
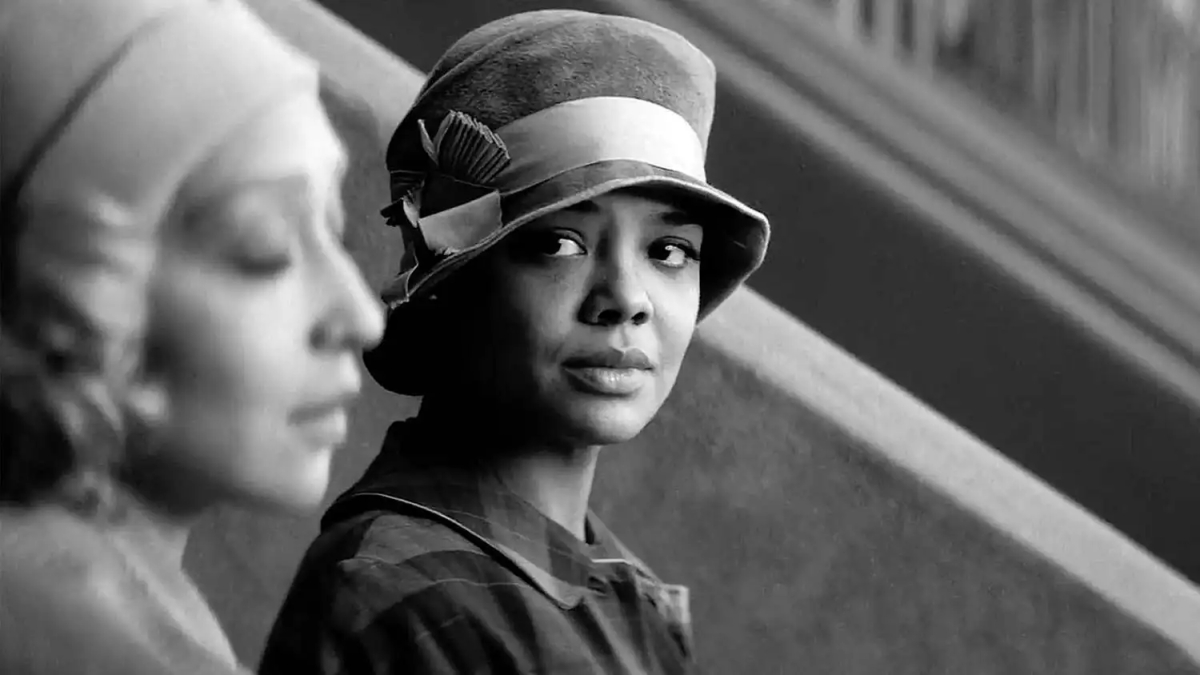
{"x":608,"y":381}
{"x":610,"y":372}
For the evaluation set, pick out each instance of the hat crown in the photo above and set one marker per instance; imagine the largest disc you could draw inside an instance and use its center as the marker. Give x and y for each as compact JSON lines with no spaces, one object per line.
{"x":522,"y":64}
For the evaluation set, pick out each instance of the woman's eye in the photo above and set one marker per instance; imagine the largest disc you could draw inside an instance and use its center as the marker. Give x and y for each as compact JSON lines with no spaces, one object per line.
{"x":559,"y":246}
{"x":674,"y":254}
{"x":545,"y":246}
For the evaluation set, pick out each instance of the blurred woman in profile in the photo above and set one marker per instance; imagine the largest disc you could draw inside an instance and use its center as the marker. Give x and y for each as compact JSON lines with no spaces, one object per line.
{"x":179,"y":323}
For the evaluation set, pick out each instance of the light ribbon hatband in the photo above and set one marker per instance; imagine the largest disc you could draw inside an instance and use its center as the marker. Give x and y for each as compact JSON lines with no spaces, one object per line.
{"x":564,"y":137}
{"x":589,"y":130}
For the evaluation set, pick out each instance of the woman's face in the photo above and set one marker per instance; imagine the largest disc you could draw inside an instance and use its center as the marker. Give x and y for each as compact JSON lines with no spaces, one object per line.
{"x":257,"y":317}
{"x":583,"y":317}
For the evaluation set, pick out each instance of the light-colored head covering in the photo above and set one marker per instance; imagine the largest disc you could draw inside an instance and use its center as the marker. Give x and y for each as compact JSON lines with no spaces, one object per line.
{"x":124,"y":97}
{"x":108,"y":105}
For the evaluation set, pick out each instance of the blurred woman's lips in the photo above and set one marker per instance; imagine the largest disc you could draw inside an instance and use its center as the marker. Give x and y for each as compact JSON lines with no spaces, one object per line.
{"x":326,"y":431}
{"x":325,"y":423}
{"x":610,"y":372}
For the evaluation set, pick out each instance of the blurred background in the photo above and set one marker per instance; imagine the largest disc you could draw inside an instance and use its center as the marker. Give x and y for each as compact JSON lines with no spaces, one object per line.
{"x":994,"y":203}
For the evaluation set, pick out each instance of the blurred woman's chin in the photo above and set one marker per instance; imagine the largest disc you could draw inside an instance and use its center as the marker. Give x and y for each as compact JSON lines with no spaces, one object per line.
{"x":299,"y":491}
{"x":291,"y":502}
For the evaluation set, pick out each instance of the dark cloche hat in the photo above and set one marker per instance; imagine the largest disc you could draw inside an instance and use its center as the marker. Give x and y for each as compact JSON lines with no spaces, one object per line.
{"x":538,"y":111}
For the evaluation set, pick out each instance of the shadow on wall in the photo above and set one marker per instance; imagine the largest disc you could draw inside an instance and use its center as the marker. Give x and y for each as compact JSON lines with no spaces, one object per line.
{"x":820,"y":515}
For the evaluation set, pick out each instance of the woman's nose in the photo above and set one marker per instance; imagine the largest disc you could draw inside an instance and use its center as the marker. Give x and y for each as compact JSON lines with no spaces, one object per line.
{"x":618,"y":294}
{"x":355,"y":319}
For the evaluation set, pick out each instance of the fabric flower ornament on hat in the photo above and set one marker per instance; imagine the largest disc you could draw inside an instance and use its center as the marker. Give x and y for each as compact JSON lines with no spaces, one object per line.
{"x":454,"y":191}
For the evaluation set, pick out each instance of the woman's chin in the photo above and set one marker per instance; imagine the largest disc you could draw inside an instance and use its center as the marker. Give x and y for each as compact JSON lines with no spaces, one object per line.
{"x":608,"y":422}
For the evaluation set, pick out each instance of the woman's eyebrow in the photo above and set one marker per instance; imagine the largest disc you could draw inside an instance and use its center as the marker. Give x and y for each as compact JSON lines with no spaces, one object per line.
{"x":677,"y":216}
{"x":295,"y":199}
{"x":585,"y":206}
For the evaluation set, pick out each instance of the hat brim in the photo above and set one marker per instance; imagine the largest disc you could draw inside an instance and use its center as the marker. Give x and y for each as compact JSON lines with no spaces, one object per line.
{"x":735,"y":242}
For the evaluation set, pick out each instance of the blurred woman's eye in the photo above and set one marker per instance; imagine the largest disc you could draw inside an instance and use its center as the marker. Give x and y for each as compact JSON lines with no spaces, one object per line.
{"x":264,"y":264}
{"x":263,"y":250}
{"x":675,"y":254}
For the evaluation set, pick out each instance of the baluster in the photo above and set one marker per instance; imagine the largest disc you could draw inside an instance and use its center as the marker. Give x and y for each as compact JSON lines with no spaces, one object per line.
{"x":1191,"y":144}
{"x":887,"y":27}
{"x":849,"y":18}
{"x":926,"y":19}
{"x":1044,"y":58}
{"x":1069,"y":74}
{"x":1131,"y":90}
{"x":1099,"y":68}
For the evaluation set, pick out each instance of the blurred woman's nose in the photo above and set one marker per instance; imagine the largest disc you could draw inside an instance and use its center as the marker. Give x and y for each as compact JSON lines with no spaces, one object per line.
{"x":354,"y":319}
{"x":618,"y":294}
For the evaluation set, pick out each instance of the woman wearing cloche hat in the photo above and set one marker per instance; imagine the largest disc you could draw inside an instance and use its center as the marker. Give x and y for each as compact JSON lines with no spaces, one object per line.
{"x":562,"y":243}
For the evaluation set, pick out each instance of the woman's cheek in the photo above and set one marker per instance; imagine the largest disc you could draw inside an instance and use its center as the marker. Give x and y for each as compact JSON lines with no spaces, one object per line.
{"x":676,"y":311}
{"x":227,"y":348}
{"x":236,"y":380}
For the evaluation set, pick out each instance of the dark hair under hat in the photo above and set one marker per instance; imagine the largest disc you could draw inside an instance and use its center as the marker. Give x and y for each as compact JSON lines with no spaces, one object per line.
{"x":531,"y":114}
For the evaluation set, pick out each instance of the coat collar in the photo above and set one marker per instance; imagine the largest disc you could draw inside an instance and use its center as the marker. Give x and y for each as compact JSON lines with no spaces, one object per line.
{"x":412,"y":474}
